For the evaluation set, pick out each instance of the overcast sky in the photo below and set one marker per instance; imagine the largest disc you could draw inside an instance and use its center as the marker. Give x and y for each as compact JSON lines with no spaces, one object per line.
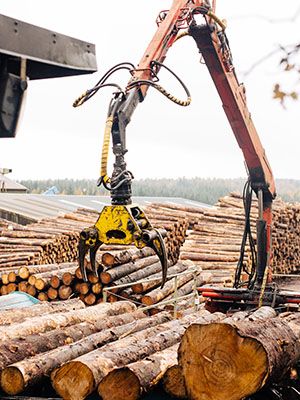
{"x":164,"y":140}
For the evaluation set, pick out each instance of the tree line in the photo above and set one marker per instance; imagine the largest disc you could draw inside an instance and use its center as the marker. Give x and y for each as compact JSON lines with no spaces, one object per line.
{"x":205,"y":190}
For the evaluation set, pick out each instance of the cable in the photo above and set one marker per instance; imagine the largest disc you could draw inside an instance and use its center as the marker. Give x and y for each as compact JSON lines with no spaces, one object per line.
{"x":163,"y":91}
{"x":247,"y":200}
{"x":91,"y":92}
{"x":118,"y":98}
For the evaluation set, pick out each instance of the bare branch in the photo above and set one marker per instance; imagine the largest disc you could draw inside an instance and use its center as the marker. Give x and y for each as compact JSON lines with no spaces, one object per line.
{"x":261,"y":61}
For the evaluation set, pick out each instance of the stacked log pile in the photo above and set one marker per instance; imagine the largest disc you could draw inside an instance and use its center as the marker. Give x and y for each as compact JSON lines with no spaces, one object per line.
{"x":47,"y":241}
{"x":213,"y":245}
{"x":215,"y":242}
{"x":140,"y":270}
{"x":172,"y":211}
{"x":64,"y":280}
{"x":55,"y":240}
{"x":119,"y":352}
{"x":83,"y":346}
{"x":285,"y":235}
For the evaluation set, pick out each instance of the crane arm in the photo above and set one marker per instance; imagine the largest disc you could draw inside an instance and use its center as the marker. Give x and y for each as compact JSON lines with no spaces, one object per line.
{"x":213,"y":45}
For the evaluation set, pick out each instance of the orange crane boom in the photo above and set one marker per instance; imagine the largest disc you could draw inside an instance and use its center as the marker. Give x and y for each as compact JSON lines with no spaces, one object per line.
{"x":213,"y":44}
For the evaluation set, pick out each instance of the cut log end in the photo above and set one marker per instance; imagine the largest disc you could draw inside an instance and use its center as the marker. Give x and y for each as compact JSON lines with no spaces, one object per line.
{"x":216,"y":355}
{"x":120,"y":384}
{"x":173,"y":382}
{"x":12,"y":381}
{"x":105,"y":277}
{"x":70,"y":385}
{"x":147,"y":300}
{"x":108,"y":259}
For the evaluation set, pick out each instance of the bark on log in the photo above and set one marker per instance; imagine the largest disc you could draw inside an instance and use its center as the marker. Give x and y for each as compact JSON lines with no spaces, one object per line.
{"x":238,"y":357}
{"x":140,"y":274}
{"x":143,"y":287}
{"x":18,"y":315}
{"x":54,"y":321}
{"x":17,"y":376}
{"x":110,"y":260}
{"x":137,"y":378}
{"x":208,"y":257}
{"x":81,"y":376}
{"x":202,"y":279}
{"x":18,"y":349}
{"x":158,"y":294}
{"x":125,"y":269}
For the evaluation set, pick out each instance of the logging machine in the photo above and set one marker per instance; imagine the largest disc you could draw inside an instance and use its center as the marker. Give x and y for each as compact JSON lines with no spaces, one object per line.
{"x":125,"y":223}
{"x":28,"y":52}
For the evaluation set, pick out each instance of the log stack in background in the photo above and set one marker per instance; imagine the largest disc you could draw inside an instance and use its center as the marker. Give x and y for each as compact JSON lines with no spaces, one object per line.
{"x":55,"y":240}
{"x":62,"y":281}
{"x":212,"y":243}
{"x":286,"y":230}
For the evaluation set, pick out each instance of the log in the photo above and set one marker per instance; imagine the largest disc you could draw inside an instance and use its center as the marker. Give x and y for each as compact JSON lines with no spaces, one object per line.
{"x":52,"y":293}
{"x":125,"y":256}
{"x":15,"y":350}
{"x":64,"y":292}
{"x":208,"y":257}
{"x":42,"y":296}
{"x":97,"y":288}
{"x":126,"y":269}
{"x":173,"y":382}
{"x":90,"y":299}
{"x":31,"y":290}
{"x":139,"y":274}
{"x":202,"y":279}
{"x":11,"y":287}
{"x":78,"y":378}
{"x":17,"y":376}
{"x":137,"y":378}
{"x":240,"y":357}
{"x":18,"y":315}
{"x":158,"y":294}
{"x":22,"y":287}
{"x":143,"y":287}
{"x":54,"y":321}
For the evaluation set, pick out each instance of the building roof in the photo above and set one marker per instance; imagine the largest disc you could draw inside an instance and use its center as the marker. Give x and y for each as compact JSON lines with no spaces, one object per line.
{"x":34,"y":207}
{"x":8,"y":185}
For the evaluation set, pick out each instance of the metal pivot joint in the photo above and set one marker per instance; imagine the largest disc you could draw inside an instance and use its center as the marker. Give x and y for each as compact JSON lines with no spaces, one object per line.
{"x":121,"y":179}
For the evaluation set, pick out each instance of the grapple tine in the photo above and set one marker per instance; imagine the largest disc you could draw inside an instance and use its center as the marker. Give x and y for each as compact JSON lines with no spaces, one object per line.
{"x":82,"y":250}
{"x":158,"y":245}
{"x":94,"y":263}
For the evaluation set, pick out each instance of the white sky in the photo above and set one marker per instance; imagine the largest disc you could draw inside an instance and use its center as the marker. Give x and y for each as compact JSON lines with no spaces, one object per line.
{"x":164,"y":140}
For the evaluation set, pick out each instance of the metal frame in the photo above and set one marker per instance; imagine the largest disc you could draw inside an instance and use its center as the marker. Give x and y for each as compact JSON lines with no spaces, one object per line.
{"x":49,"y":54}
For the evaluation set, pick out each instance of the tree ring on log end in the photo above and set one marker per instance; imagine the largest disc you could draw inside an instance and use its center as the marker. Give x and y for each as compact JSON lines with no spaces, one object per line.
{"x":173,"y":382}
{"x":12,"y":381}
{"x":71,"y":385}
{"x":120,"y":384}
{"x":218,"y":363}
